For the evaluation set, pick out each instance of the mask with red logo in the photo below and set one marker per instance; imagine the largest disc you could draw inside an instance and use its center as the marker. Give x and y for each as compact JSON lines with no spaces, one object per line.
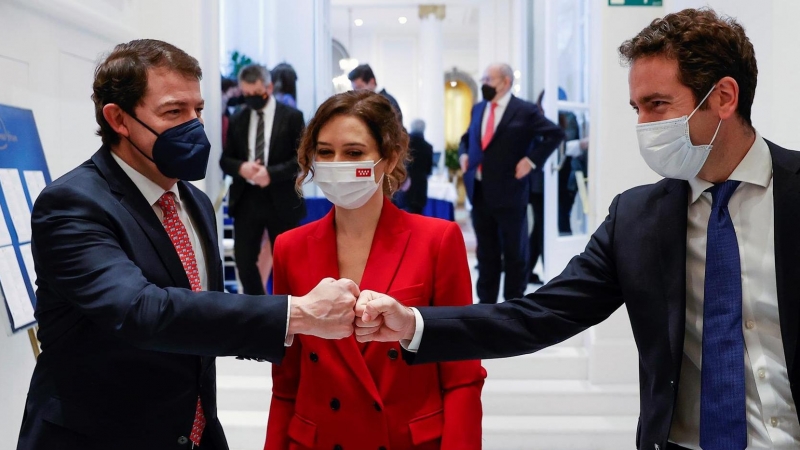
{"x":347,"y":184}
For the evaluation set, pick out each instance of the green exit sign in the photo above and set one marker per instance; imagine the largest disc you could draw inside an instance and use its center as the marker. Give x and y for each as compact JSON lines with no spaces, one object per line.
{"x":635,"y":3}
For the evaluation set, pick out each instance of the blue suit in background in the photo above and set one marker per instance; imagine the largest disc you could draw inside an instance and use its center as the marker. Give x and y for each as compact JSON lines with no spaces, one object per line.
{"x":499,"y":200}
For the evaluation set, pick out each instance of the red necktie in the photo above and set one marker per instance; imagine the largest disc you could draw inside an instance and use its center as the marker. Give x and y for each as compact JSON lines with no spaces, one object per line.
{"x":489,"y":133}
{"x":180,"y":240}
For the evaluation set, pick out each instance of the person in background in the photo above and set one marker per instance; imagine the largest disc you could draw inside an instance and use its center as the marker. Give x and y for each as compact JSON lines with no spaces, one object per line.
{"x":355,"y":151}
{"x":285,"y":82}
{"x":362,"y":77}
{"x":129,"y":301}
{"x":414,"y":191}
{"x":507,"y":139}
{"x":704,"y":261}
{"x":261,"y":156}
{"x":231,"y":95}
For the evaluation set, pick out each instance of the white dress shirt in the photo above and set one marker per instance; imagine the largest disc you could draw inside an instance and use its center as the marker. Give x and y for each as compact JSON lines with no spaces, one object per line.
{"x":269,"y":118}
{"x":152,"y":192}
{"x":771,"y":416}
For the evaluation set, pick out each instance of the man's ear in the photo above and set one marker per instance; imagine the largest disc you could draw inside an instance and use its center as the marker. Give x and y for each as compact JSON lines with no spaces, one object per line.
{"x":728,"y":97}
{"x":115,"y":117}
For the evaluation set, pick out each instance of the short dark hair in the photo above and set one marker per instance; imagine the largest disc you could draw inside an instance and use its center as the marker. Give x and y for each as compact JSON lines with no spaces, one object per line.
{"x":707,"y":48}
{"x":227,"y":83}
{"x":380,"y":118}
{"x":121,"y":78}
{"x":362,"y":72}
{"x":253,"y":73}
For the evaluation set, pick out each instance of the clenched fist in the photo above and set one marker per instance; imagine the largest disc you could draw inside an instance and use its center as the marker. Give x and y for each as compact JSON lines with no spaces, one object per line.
{"x":382,"y":318}
{"x":327,"y":311}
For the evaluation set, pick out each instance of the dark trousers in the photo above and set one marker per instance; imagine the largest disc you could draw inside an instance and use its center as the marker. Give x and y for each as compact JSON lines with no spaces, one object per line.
{"x":502,"y":245}
{"x":254,"y":214}
{"x":536,"y":240}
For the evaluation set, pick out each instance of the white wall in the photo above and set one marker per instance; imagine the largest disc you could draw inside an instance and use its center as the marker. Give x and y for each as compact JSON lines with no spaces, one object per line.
{"x":48,"y":52}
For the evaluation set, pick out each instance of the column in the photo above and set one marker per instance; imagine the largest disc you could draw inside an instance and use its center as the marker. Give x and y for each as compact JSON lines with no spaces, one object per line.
{"x":431,"y":74}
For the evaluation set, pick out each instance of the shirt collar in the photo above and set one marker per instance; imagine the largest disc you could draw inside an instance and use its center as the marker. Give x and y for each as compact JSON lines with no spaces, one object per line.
{"x":503,"y":101}
{"x":755,"y":168}
{"x":149,"y":189}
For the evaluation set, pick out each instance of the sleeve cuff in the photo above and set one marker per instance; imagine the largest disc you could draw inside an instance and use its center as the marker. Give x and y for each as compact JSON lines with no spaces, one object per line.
{"x":288,"y":338}
{"x":413,"y":345}
{"x":530,"y":161}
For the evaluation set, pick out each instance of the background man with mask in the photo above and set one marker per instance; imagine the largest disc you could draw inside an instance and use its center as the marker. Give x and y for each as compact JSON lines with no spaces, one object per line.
{"x":261,"y":155}
{"x":705,"y":261}
{"x":129,"y":277}
{"x":507,"y":138}
{"x":362,"y":77}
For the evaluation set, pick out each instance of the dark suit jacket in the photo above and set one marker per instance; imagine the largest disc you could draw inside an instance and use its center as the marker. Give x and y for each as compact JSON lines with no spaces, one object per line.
{"x":394,"y":103}
{"x":522,"y":131}
{"x":127,"y":347}
{"x":419,"y":169}
{"x":287,"y":128}
{"x":636,"y":258}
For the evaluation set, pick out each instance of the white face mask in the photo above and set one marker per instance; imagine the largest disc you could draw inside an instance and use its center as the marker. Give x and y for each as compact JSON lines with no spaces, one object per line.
{"x":347,"y":184}
{"x":666,"y":147}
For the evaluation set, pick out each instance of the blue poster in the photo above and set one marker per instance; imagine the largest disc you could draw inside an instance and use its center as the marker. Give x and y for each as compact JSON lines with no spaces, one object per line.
{"x":23,"y":174}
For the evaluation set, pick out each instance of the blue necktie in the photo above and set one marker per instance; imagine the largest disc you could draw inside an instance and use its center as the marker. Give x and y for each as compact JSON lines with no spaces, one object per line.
{"x":723,"y":420}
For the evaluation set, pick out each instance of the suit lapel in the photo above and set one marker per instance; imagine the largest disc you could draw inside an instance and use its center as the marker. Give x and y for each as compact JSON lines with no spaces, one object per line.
{"x":511,"y":110}
{"x":671,"y":220}
{"x":204,"y":220}
{"x":388,"y":248}
{"x":276,"y":124}
{"x":132,"y":199}
{"x":786,"y":198}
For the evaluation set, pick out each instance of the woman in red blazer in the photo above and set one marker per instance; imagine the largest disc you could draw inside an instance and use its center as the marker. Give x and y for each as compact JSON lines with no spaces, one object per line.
{"x":344,"y":395}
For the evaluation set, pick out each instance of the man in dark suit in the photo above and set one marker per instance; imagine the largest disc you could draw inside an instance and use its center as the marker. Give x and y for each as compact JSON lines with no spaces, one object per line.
{"x":362,"y":77}
{"x":261,"y":155}
{"x":419,"y":169}
{"x":129,"y":301}
{"x":508,"y":138}
{"x":705,"y":261}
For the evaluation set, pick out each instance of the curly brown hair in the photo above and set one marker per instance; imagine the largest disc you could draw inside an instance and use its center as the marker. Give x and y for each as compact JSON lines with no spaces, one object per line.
{"x":382,"y":122}
{"x":707,"y":48}
{"x":122,"y":77}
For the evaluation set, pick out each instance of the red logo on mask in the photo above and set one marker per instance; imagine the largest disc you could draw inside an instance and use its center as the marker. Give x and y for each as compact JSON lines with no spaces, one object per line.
{"x":361,"y":173}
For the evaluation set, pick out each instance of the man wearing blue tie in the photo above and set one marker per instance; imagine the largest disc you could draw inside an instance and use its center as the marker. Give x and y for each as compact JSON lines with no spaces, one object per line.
{"x":705,"y":261}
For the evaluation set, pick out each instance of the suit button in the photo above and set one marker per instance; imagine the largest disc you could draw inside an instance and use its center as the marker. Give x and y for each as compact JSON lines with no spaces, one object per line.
{"x":335,"y":405}
{"x":377,"y":406}
{"x":337,"y":447}
{"x":381,"y":448}
{"x":183,"y":440}
{"x":314,"y":357}
{"x":392,"y":353}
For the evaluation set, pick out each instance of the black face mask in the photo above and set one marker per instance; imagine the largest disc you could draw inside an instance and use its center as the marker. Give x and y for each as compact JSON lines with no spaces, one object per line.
{"x":256,"y":101}
{"x":488,"y":92}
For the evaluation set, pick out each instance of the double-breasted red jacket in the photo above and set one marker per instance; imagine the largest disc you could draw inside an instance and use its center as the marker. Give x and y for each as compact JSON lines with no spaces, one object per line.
{"x":342,"y":395}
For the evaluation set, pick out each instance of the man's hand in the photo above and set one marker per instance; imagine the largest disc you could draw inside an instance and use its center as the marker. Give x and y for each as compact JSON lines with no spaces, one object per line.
{"x":464,"y":160}
{"x":249,"y":169}
{"x":524,"y":167}
{"x":261,"y":177}
{"x":326,"y":311}
{"x":382,"y":318}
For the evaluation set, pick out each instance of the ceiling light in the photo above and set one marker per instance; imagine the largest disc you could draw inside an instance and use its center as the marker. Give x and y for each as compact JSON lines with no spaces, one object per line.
{"x":358,"y":22}
{"x":402,"y":20}
{"x":517,"y":74}
{"x":453,"y":83}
